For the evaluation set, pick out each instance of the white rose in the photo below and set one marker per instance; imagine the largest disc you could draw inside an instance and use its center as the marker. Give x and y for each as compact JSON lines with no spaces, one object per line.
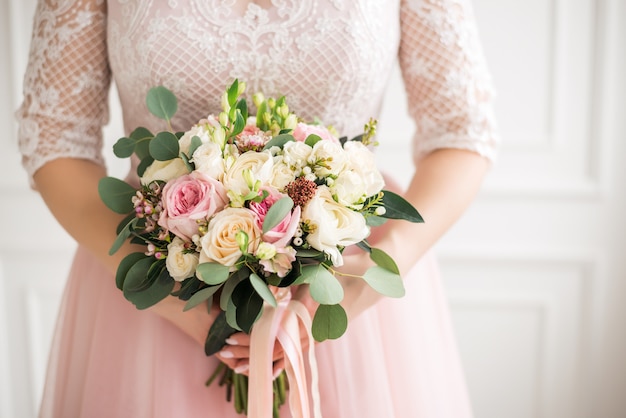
{"x":361,"y":160}
{"x":327,"y":158}
{"x":333,"y":224}
{"x":200,"y":131}
{"x":219,"y":244}
{"x":282,"y":174}
{"x":180,"y":264}
{"x":164,"y":170}
{"x":208,"y":160}
{"x":349,"y":189}
{"x":296,"y":154}
{"x":259,"y":165}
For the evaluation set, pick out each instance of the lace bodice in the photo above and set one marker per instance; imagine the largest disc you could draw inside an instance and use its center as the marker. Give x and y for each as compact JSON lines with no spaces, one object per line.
{"x":331,"y":57}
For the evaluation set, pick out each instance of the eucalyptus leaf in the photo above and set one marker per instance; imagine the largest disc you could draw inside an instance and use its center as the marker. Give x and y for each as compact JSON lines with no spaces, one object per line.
{"x":277,"y":213}
{"x":188,"y":164}
{"x":137,"y":277}
{"x":162,"y":103}
{"x":143,"y":165}
{"x":164,"y":146}
{"x":374,"y":221}
{"x":382,"y":259}
{"x":365,"y":246}
{"x":125,"y":265}
{"x":200,"y":296}
{"x":261,"y":288}
{"x":324,"y":287}
{"x":231,"y":283}
{"x":124,"y":147}
{"x":396,"y":207}
{"x":312,"y":139}
{"x":279,"y":141}
{"x":158,"y":290}
{"x":231,"y":314}
{"x":116,"y":194}
{"x":329,"y":322}
{"x":212,"y":273}
{"x":142,"y":138}
{"x":188,"y":288}
{"x":292,"y":275}
{"x":310,"y":253}
{"x":196,"y":143}
{"x":384,"y":282}
{"x":219,"y":332}
{"x":123,"y":235}
{"x":249,"y":305}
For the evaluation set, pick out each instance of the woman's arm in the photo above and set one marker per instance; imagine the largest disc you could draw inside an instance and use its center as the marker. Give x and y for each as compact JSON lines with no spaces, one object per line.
{"x":70,"y":189}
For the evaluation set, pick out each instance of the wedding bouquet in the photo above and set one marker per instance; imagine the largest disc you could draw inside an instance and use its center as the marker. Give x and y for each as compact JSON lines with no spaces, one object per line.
{"x":240,"y":207}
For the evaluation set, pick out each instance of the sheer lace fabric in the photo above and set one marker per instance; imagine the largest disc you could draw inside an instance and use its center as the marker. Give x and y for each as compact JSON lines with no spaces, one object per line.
{"x":332,"y":58}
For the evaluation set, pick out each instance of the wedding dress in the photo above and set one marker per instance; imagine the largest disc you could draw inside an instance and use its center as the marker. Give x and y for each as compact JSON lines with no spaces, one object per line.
{"x":332,"y":58}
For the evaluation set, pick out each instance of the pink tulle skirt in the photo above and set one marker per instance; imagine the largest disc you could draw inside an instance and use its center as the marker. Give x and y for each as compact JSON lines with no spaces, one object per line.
{"x":109,"y":360}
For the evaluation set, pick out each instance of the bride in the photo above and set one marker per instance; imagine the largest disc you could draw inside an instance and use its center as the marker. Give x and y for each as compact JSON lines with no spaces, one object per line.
{"x":332,"y":58}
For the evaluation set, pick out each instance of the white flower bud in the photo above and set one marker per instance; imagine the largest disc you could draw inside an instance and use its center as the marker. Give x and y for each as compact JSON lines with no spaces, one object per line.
{"x":265,"y":251}
{"x":380,"y":211}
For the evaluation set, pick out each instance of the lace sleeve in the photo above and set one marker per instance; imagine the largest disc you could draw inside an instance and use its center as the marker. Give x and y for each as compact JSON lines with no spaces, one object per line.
{"x":66,"y":84}
{"x":447,"y":82}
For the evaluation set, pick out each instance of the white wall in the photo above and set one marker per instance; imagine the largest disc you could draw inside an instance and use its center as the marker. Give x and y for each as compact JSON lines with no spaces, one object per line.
{"x":535,"y":270}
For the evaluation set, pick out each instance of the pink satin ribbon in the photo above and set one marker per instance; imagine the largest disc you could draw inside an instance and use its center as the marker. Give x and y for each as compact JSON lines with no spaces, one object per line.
{"x":282,"y":324}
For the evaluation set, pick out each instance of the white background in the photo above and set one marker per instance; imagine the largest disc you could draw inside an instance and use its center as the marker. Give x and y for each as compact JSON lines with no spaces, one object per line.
{"x":536,"y":269}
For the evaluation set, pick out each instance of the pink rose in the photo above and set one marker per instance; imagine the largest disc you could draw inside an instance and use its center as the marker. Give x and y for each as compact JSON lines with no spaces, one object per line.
{"x":303,"y":130}
{"x":190,"y":198}
{"x":282,"y":233}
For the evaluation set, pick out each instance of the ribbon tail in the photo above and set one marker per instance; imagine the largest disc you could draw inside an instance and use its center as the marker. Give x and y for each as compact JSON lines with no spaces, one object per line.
{"x":289,"y":338}
{"x":262,"y":338}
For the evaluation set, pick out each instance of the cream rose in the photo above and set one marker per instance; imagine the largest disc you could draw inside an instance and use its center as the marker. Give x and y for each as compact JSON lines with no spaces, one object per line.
{"x":327,"y":158}
{"x":361,"y":160}
{"x":332,"y":225}
{"x":296,"y":154}
{"x":164,"y":171}
{"x":200,"y":131}
{"x":219,"y":244}
{"x":180,"y":263}
{"x":259,"y":165}
{"x":208,"y":160}
{"x":282,"y":174}
{"x":349,"y":189}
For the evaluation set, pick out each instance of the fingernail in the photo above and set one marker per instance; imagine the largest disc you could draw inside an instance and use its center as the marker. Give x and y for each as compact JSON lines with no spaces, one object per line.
{"x":242,"y":368}
{"x":277,"y":373}
{"x":231,"y":341}
{"x":227,"y":354}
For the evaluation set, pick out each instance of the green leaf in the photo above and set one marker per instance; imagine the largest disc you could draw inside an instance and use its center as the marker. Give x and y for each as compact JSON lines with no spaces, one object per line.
{"x":365,"y":246}
{"x":234,"y":279}
{"x":312,"y":140}
{"x":161,"y":102}
{"x":142,"y":138}
{"x":248,"y":303}
{"x":240,"y":123}
{"x":279,"y":141}
{"x":212,"y":273}
{"x":384,"y":282}
{"x":396,"y":207}
{"x":232,"y":93}
{"x":261,"y":288}
{"x":116,"y":194}
{"x":188,"y":288}
{"x":124,"y":234}
{"x":143,"y":165}
{"x":158,"y":290}
{"x":124,"y":147}
{"x":310,"y":253}
{"x":231,"y":314}
{"x":373,"y":220}
{"x":125,"y":265}
{"x":200,"y":296}
{"x":243,"y":108}
{"x":137,"y":278}
{"x":164,"y":146}
{"x":220,"y":330}
{"x":277,"y":213}
{"x":324,"y":287}
{"x":382,"y":259}
{"x":196,"y":142}
{"x":329,"y":322}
